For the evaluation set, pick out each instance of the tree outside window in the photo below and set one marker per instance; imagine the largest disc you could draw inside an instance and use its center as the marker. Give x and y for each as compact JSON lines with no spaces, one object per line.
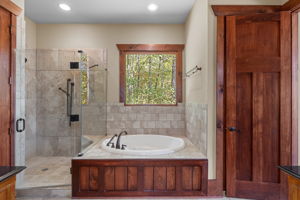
{"x":150,"y":74}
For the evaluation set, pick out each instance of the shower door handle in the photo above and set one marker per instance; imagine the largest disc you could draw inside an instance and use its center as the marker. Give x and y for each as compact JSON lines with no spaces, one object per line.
{"x":18,"y":129}
{"x":69,"y":98}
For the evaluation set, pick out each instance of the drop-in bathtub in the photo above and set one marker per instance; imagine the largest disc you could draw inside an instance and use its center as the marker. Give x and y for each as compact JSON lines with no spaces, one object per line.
{"x":145,"y":145}
{"x":150,"y":166}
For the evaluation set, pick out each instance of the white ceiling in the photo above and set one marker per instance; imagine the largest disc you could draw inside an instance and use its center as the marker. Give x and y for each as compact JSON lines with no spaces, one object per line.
{"x":108,"y":11}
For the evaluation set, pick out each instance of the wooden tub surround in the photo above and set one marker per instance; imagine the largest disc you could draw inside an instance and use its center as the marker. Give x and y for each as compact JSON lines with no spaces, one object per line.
{"x":138,"y":178}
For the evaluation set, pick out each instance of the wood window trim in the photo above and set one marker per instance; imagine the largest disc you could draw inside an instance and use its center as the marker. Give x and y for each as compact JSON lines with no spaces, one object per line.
{"x":176,"y":49}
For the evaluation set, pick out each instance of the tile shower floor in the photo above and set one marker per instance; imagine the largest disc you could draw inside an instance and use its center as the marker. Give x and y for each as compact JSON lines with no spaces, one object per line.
{"x":47,"y":172}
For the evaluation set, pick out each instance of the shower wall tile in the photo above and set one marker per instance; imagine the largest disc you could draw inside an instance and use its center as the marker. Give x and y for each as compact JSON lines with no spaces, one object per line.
{"x":31,"y":59}
{"x":57,"y":146}
{"x":165,"y":120}
{"x":196,"y":125}
{"x":97,"y":56}
{"x":67,"y":56}
{"x":47,"y":59}
{"x":46,"y":146}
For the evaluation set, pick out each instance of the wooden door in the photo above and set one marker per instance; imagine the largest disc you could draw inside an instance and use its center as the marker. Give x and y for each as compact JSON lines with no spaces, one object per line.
{"x":7,"y":43}
{"x":258,"y":104}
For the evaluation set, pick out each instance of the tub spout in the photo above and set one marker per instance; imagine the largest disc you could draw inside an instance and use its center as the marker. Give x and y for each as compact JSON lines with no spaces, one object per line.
{"x":118,"y":140}
{"x":110,"y":141}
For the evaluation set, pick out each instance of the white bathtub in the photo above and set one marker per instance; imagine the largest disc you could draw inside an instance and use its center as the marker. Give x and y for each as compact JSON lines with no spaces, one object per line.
{"x":146,"y":145}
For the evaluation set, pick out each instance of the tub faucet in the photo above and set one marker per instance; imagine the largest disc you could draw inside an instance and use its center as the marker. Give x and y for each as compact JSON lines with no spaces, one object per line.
{"x":118,"y":140}
{"x":110,"y":141}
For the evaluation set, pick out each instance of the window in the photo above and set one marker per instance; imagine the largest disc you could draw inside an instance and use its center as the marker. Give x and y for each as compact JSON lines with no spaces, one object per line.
{"x":150,"y":74}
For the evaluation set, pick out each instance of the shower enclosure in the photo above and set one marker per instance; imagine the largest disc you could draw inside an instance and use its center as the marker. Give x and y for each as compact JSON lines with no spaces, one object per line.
{"x":66,"y":92}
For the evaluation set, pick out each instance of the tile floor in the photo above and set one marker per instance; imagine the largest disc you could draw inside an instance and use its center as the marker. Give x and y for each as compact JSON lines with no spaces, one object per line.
{"x":47,"y":172}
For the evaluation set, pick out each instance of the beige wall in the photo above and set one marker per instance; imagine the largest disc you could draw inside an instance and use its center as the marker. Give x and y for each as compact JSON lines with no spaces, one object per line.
{"x":30,"y":34}
{"x":107,"y":36}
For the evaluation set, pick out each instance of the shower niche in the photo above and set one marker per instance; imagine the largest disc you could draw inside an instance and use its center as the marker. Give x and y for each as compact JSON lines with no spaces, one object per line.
{"x":70,"y":102}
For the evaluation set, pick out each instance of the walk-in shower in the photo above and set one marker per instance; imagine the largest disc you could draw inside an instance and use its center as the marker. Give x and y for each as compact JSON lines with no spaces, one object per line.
{"x":65,"y":110}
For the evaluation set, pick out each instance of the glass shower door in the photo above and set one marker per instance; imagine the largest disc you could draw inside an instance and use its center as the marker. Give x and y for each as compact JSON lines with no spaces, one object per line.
{"x":58,"y":132}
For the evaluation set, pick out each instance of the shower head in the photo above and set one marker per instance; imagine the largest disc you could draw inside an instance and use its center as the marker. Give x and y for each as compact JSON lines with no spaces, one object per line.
{"x":96,"y":65}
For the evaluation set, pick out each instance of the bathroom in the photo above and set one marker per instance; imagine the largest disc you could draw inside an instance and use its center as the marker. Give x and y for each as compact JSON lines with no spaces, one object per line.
{"x":128,"y":101}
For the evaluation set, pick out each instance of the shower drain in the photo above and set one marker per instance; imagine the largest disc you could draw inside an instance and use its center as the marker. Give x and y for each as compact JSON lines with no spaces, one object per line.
{"x":45,"y":169}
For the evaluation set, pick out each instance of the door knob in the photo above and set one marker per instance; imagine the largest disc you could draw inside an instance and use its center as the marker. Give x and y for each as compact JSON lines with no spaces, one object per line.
{"x":233,"y":129}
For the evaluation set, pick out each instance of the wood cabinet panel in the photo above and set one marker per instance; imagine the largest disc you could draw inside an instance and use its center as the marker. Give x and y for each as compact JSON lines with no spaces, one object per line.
{"x":148,"y":180}
{"x":187,"y":178}
{"x":109,"y":178}
{"x":171,"y":178}
{"x":93,"y":178}
{"x":121,"y":178}
{"x":7,"y":189}
{"x":139,"y":178}
{"x":294,"y":188}
{"x":160,"y":178}
{"x":132,"y":178}
{"x":84,"y":177}
{"x":197,"y":178}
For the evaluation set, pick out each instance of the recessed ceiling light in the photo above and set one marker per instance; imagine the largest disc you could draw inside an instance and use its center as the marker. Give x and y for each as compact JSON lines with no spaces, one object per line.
{"x":65,"y":7}
{"x":152,"y":7}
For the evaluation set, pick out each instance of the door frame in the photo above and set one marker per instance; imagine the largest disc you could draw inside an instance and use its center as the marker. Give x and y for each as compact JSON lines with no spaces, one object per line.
{"x":218,"y":185}
{"x":14,"y":12}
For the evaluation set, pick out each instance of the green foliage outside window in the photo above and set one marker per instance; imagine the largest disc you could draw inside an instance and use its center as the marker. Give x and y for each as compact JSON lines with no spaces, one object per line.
{"x":84,"y":79}
{"x":150,"y":79}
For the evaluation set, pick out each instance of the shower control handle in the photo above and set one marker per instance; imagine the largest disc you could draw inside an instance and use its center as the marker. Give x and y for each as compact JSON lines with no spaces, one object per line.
{"x":18,"y":129}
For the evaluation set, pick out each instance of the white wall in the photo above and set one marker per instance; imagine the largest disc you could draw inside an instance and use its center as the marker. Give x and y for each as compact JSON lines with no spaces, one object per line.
{"x":107,"y":36}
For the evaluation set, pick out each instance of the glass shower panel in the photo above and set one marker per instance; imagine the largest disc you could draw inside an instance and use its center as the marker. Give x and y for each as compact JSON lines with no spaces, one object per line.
{"x":93,"y":96}
{"x":20,"y":115}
